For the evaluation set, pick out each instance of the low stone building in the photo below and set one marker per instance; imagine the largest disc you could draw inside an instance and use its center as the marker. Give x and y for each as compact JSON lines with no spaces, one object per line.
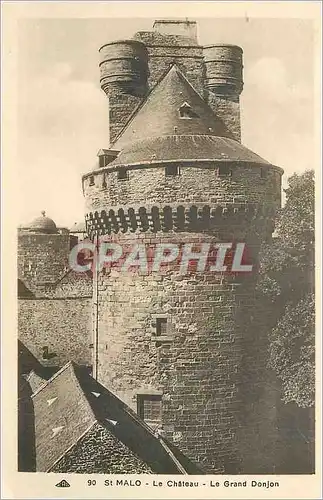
{"x":74,"y":424}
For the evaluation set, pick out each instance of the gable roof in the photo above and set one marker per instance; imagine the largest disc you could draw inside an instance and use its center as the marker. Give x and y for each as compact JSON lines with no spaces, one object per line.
{"x":62,"y":416}
{"x":175,"y":123}
{"x":158,"y":114}
{"x":68,"y":405}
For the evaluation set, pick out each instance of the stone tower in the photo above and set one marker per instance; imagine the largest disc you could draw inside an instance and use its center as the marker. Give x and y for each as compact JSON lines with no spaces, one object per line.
{"x":187,"y":351}
{"x":43,"y":251}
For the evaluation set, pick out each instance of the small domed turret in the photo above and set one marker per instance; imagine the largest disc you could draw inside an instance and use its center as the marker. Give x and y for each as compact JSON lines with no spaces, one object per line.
{"x":42,"y":224}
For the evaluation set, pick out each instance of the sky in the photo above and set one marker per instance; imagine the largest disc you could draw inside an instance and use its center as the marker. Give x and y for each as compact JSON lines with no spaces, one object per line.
{"x":63,"y":114}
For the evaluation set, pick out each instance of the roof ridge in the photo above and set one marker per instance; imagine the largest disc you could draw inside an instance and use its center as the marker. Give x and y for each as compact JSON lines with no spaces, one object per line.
{"x":56,"y":374}
{"x":140,"y":105}
{"x":81,"y":389}
{"x":69,"y":364}
{"x":160,"y":112}
{"x":181,"y":74}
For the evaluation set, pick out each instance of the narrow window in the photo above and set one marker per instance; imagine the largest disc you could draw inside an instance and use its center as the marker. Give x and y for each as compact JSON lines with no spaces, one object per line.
{"x":161,"y":326}
{"x":123,"y":174}
{"x":149,"y":407}
{"x":263,"y":173}
{"x":91,"y":180}
{"x":172,"y":170}
{"x":224,"y":171}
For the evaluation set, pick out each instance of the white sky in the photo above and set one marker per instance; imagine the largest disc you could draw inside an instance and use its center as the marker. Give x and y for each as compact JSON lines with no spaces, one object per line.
{"x":63,"y":114}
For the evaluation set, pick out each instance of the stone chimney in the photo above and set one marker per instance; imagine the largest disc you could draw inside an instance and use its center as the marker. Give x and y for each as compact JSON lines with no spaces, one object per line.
{"x":179,"y":27}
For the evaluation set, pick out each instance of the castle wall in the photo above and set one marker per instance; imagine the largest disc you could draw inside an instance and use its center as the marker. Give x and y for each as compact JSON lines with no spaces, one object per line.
{"x":210,"y":369}
{"x":228,"y":109}
{"x":63,"y":324}
{"x":123,"y":77}
{"x":209,"y":364}
{"x":165,"y":50}
{"x":148,"y":186}
{"x":43,"y":258}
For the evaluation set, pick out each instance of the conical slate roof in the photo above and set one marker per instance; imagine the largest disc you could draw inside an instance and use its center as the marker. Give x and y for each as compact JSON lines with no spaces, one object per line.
{"x":187,"y":148}
{"x":160,"y":113}
{"x":174,"y":123}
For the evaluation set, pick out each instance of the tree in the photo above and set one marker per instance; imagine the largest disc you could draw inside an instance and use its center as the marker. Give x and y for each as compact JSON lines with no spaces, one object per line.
{"x":287,"y":285}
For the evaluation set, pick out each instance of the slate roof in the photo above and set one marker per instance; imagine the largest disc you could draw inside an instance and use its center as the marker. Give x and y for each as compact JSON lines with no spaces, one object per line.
{"x":156,"y":131}
{"x":187,"y":148}
{"x":159,"y":114}
{"x":68,"y":405}
{"x":35,"y":380}
{"x":62,"y":415}
{"x":27,"y":362}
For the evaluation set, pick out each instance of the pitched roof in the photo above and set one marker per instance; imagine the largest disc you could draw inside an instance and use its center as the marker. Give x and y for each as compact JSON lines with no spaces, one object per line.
{"x":175,"y":123}
{"x":159,"y":113}
{"x":62,"y":415}
{"x":27,"y":362}
{"x":68,"y":405}
{"x":35,"y":380}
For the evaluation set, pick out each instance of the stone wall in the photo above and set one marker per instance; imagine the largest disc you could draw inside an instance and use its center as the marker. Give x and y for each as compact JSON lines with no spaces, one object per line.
{"x":43,"y":258}
{"x":210,"y":367}
{"x":228,"y":109}
{"x":121,"y":106}
{"x":98,"y":451}
{"x":64,"y":325}
{"x":165,"y":50}
{"x":217,"y":405}
{"x":148,"y":186}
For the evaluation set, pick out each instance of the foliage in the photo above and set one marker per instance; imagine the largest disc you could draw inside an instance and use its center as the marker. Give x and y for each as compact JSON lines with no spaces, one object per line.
{"x":287,"y":283}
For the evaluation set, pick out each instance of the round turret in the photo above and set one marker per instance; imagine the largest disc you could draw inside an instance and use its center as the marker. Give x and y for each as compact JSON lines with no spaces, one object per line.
{"x":124,"y":65}
{"x":224,"y":69}
{"x":186,"y":346}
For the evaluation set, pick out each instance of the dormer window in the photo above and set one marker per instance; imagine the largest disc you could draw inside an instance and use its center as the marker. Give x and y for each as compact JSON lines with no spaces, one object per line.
{"x":186,"y":112}
{"x":106,"y":156}
{"x":102,"y":161}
